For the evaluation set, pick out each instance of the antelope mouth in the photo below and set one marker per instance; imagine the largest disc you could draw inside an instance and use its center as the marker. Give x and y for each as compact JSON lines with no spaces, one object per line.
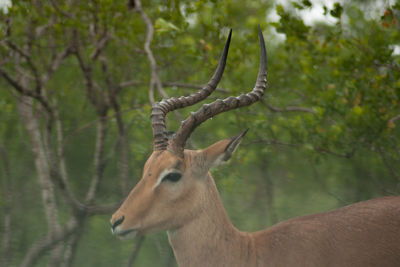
{"x":125,"y":234}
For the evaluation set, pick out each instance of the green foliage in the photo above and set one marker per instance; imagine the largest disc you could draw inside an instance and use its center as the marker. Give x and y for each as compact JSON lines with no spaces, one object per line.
{"x":290,"y":25}
{"x":337,"y":10}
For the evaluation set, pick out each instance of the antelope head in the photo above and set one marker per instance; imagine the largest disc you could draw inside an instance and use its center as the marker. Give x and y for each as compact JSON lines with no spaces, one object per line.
{"x":175,"y":180}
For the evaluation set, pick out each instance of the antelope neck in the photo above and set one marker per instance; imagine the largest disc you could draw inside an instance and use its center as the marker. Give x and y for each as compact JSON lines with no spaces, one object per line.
{"x":210,"y":237}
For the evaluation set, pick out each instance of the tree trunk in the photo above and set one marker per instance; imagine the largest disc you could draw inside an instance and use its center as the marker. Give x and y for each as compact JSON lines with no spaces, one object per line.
{"x":26,"y":111}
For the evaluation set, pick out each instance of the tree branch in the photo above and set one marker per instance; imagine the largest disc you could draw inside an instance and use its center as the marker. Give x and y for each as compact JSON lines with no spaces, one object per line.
{"x":155,"y":79}
{"x":92,"y":123}
{"x":172,"y":84}
{"x":24,"y":90}
{"x":71,"y":247}
{"x":99,"y":163}
{"x":122,"y":144}
{"x":135,"y":251}
{"x":101,"y":44}
{"x":193,"y":86}
{"x":7,"y":207}
{"x":28,"y":59}
{"x":102,"y":209}
{"x":270,"y":142}
{"x":388,"y":165}
{"x":19,"y":87}
{"x":87,"y":75}
{"x":394,"y":119}
{"x":347,"y":155}
{"x":64,"y":180}
{"x":45,"y":243}
{"x":288,"y":108}
{"x":55,"y":6}
{"x":56,"y":62}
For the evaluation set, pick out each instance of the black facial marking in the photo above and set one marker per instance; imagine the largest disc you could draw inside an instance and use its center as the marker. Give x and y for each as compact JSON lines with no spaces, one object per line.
{"x":172,"y":177}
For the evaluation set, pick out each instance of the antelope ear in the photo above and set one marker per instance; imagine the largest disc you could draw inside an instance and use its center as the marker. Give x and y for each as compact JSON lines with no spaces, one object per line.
{"x":221,"y":151}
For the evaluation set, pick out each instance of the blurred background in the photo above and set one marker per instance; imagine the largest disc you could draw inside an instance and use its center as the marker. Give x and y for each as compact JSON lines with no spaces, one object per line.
{"x":77,"y":80}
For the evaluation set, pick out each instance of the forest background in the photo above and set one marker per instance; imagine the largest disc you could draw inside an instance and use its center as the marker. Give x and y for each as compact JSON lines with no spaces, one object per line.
{"x":78,"y":78}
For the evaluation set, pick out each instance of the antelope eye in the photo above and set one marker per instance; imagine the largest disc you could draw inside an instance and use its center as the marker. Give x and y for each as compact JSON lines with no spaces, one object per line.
{"x":172,"y":177}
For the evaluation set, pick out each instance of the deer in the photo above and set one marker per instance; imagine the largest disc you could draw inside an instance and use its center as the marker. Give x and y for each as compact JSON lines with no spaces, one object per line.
{"x":177,"y":194}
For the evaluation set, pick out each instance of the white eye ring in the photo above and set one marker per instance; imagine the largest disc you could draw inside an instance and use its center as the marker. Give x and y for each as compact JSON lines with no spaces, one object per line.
{"x":163,"y":174}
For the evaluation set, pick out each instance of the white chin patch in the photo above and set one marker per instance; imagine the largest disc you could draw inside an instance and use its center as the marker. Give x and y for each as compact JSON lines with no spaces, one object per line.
{"x":129,"y":235}
{"x":124,"y":234}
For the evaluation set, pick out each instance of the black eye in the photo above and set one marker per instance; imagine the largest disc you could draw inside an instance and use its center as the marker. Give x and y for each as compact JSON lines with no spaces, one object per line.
{"x":172,"y":177}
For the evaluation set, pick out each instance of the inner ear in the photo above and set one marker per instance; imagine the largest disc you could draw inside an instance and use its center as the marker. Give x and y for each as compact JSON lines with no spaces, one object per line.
{"x":221,"y":151}
{"x":232,"y":145}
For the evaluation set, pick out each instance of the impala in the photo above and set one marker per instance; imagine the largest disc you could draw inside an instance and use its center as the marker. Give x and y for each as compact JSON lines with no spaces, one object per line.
{"x":177,"y":194}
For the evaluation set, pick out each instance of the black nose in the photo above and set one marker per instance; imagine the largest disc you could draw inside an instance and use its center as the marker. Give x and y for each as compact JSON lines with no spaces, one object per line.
{"x":118,"y":222}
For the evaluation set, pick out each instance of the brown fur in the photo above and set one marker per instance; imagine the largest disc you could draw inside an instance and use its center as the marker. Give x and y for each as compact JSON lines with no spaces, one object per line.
{"x":200,"y":233}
